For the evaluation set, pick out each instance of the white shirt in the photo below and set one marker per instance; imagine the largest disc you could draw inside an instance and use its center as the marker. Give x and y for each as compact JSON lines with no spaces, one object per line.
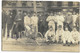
{"x":75,"y":34}
{"x":59,"y":32}
{"x":50,"y":33}
{"x":34,"y":20}
{"x":60,"y":20}
{"x":74,"y":18}
{"x":50,"y":18}
{"x":27,"y":20}
{"x":51,"y":23}
{"x":66,"y":35}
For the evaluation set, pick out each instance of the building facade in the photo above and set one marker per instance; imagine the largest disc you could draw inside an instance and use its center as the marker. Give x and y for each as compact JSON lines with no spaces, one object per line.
{"x":40,"y":6}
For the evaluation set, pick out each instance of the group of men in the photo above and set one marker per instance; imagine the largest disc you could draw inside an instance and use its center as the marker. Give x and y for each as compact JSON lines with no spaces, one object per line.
{"x":31,"y":25}
{"x":66,"y":31}
{"x":59,"y":27}
{"x":13,"y":25}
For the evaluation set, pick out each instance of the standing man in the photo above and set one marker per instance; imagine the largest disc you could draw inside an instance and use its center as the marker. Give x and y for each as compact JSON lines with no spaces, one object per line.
{"x":9,"y":24}
{"x":60,"y":20}
{"x":68,"y":21}
{"x":77,"y":21}
{"x":19,"y":23}
{"x":51,"y":21}
{"x":74,"y":18}
{"x":41,"y":23}
{"x":4,"y":18}
{"x":34,"y":23}
{"x":27,"y":23}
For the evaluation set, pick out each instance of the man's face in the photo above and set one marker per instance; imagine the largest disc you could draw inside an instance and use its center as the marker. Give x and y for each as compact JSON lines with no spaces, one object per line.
{"x":34,"y":14}
{"x":51,"y":14}
{"x":74,"y":13}
{"x":74,"y":29}
{"x":59,"y":28}
{"x":11,"y":13}
{"x":66,"y":29}
{"x":40,"y":14}
{"x":68,"y":14}
{"x":28,"y":14}
{"x":50,"y":29}
{"x":59,"y":13}
{"x":8,"y":12}
{"x":19,"y":12}
{"x":25,"y":14}
{"x":54,"y":14}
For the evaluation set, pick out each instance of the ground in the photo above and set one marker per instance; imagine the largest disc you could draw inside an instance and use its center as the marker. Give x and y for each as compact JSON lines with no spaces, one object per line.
{"x":26,"y":44}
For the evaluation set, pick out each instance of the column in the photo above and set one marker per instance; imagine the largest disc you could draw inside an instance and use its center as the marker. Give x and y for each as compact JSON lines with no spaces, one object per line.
{"x":79,"y":18}
{"x":34,"y":5}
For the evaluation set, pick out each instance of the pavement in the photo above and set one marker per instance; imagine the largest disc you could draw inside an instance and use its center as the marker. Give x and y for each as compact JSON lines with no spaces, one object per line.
{"x":27,"y":44}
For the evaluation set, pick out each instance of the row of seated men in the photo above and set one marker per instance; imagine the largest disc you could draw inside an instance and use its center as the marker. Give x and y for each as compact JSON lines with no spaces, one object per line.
{"x":63,"y":36}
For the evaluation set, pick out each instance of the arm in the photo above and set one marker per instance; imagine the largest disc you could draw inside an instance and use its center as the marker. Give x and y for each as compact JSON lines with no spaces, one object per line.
{"x":47,"y":19}
{"x":46,"y":34}
{"x":24,"y":20}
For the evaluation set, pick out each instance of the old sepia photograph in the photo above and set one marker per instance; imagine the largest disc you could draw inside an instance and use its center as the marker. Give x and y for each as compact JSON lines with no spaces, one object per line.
{"x":40,"y":26}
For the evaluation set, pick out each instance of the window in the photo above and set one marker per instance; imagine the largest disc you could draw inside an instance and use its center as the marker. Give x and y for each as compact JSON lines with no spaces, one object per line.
{"x":14,"y":3}
{"x":24,"y":3}
{"x":70,"y":3}
{"x":39,"y":3}
{"x":59,"y":3}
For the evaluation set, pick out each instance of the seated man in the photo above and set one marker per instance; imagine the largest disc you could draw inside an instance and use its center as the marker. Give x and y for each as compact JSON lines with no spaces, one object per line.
{"x":67,"y":37}
{"x":59,"y":34}
{"x":50,"y":34}
{"x":75,"y":36}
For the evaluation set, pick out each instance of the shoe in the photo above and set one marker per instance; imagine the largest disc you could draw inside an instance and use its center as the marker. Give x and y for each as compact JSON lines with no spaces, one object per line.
{"x":64,"y":44}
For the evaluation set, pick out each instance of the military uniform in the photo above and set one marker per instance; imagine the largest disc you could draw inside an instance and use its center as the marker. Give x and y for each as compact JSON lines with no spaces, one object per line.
{"x":4,"y":18}
{"x":77,"y":23}
{"x":41,"y":24}
{"x":19,"y":24}
{"x":68,"y":22}
{"x":9,"y":25}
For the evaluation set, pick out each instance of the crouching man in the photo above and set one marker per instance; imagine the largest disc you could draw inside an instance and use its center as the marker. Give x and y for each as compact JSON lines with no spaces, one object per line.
{"x":59,"y":34}
{"x":67,"y":38}
{"x":75,"y":36}
{"x":50,"y":35}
